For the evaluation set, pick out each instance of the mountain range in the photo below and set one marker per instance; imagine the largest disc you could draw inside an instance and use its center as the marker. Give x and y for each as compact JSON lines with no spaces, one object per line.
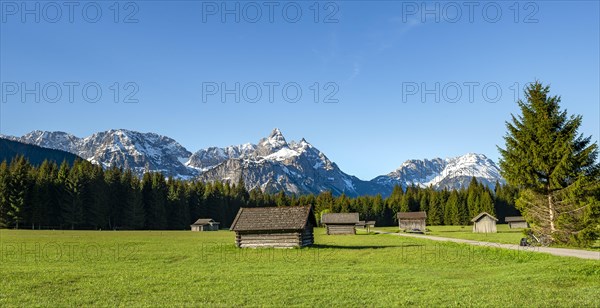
{"x":273,"y":164}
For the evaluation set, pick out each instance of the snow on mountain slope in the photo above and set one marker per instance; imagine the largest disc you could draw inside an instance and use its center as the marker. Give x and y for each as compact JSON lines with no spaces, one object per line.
{"x":272,"y":164}
{"x":122,"y":148}
{"x":444,"y":173}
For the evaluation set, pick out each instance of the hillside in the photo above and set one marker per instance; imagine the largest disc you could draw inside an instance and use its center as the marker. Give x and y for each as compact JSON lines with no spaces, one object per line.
{"x":35,"y":154}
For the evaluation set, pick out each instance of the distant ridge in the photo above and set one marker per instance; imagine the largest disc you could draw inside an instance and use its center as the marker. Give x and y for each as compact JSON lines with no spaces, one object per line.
{"x":35,"y":154}
{"x":272,"y":164}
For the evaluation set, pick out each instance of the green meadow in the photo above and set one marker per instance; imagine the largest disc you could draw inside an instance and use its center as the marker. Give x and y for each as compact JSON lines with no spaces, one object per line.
{"x":505,"y":235}
{"x":154,"y":268}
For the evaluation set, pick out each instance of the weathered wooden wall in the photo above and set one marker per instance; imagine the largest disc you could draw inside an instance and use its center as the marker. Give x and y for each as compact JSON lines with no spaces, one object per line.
{"x":308,"y":238}
{"x":340,"y":229}
{"x":410,"y":224}
{"x":288,"y":239}
{"x":205,"y":228}
{"x":518,"y":224}
{"x":485,"y":225}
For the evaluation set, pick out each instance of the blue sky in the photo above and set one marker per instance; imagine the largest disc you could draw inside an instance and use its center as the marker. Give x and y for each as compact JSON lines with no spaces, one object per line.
{"x":375,"y":57}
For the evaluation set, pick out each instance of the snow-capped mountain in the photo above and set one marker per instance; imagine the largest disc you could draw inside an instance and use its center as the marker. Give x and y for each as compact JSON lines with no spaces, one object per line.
{"x":122,"y":148}
{"x":274,"y":164}
{"x":444,"y":173}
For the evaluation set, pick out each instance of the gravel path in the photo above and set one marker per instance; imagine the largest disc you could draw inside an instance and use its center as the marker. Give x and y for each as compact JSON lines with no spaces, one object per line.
{"x":563,"y":252}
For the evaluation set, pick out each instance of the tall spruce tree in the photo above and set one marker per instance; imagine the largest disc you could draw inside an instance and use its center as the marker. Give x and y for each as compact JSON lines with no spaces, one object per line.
{"x":4,"y":188}
{"x":435,"y":214}
{"x":72,"y":207}
{"x":451,"y":212}
{"x":555,"y":166}
{"x":19,"y":190}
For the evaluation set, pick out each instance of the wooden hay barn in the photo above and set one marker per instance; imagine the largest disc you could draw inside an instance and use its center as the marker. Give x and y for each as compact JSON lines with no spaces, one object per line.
{"x":515,"y":222}
{"x":340,"y":223}
{"x":412,"y":221}
{"x":205,"y":224}
{"x":366,"y":224}
{"x":484,"y":223}
{"x":279,"y":227}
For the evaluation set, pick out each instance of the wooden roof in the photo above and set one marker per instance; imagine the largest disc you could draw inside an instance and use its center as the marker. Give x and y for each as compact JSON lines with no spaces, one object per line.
{"x":273,"y":218}
{"x":412,"y":215}
{"x":514,"y":219}
{"x":340,"y":218}
{"x":204,"y":221}
{"x":478,"y":217}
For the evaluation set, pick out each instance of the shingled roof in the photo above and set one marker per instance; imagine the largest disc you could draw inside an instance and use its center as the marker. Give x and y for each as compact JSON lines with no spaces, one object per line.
{"x":514,"y":218}
{"x":412,"y":215}
{"x":478,"y":217}
{"x":340,"y":218}
{"x":203,"y":221}
{"x":273,"y":218}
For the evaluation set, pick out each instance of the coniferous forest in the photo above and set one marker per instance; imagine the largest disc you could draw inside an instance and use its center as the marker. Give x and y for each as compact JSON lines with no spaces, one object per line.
{"x":86,"y":196}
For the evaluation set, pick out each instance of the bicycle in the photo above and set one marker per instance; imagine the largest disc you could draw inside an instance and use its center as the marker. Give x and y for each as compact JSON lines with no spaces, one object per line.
{"x":532,"y":240}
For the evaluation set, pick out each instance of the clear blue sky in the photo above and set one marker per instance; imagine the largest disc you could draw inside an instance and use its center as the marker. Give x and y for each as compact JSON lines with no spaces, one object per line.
{"x":372,"y":53}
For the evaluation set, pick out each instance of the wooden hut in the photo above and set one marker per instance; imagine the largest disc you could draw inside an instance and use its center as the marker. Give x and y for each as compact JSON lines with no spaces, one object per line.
{"x":280,"y":227}
{"x":340,"y":223}
{"x":205,"y":224}
{"x":412,"y":221}
{"x":515,"y":222}
{"x":484,"y":223}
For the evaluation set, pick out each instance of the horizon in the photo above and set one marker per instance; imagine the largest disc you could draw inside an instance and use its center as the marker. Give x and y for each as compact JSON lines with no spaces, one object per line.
{"x":388,"y":78}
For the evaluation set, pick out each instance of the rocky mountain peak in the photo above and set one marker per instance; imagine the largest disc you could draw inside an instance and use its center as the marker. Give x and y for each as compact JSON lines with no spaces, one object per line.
{"x":275,"y":139}
{"x":272,"y":164}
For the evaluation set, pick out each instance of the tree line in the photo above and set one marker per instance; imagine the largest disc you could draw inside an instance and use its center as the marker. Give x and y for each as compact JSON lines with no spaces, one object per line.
{"x":86,"y":196}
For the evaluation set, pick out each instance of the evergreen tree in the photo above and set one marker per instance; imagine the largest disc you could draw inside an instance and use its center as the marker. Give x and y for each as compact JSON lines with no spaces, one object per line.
{"x":451,"y":213}
{"x":73,"y":203}
{"x":147,"y":198}
{"x":394,"y":201}
{"x":424,"y":202}
{"x":157,"y":219}
{"x":42,"y":197}
{"x":18,"y":190}
{"x":134,"y":213}
{"x":486,"y":203}
{"x":97,"y":212}
{"x":342,"y":204}
{"x":435,"y":214}
{"x":405,"y":201}
{"x":4,"y":189}
{"x":473,"y":199}
{"x":554,"y":165}
{"x":116,"y":197}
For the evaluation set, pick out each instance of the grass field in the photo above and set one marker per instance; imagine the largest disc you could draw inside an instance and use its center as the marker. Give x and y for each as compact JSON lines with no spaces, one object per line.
{"x":118,"y":268}
{"x":505,"y":235}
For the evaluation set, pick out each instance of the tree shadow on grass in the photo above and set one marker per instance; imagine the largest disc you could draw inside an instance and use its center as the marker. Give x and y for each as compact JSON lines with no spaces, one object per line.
{"x":356,"y":247}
